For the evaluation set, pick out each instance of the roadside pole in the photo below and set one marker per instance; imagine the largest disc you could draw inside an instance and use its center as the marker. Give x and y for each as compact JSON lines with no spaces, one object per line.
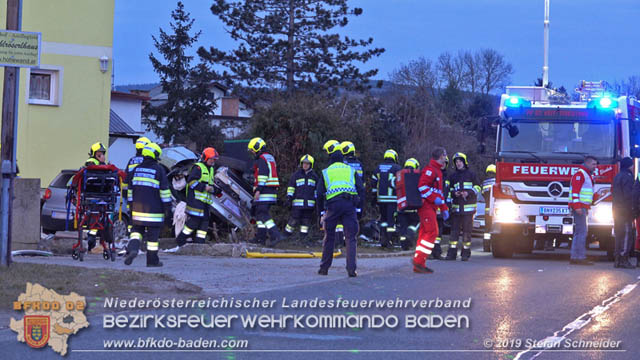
{"x":10,"y":100}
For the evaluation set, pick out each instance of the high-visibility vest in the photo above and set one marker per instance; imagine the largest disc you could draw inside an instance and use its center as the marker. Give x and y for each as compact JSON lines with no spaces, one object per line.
{"x":206,"y":177}
{"x":92,"y":161}
{"x":339,"y":178}
{"x":270,"y":180}
{"x":586,"y":191}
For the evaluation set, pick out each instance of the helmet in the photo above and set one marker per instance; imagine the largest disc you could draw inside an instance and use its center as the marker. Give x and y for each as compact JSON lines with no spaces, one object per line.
{"x":491,"y":169}
{"x":141,"y":142}
{"x":462,"y":156}
{"x":331,"y":146}
{"x":152,"y":150}
{"x":97,"y":147}
{"x":256,"y":144}
{"x":412,"y":163}
{"x":391,"y":154}
{"x":347,"y":147}
{"x":307,"y":158}
{"x":209,"y":153}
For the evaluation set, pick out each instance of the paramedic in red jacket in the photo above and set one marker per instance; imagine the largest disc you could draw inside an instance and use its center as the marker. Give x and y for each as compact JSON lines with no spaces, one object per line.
{"x":430,"y":186}
{"x":580,"y":200}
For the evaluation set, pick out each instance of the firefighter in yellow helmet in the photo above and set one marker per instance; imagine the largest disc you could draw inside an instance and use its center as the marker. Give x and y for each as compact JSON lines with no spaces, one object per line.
{"x":383,"y":186}
{"x":301,"y":197}
{"x":487,"y":186}
{"x":136,"y":160}
{"x":97,"y":156}
{"x":265,"y":191}
{"x":464,"y":191}
{"x":150,"y":200}
{"x":349,"y":153}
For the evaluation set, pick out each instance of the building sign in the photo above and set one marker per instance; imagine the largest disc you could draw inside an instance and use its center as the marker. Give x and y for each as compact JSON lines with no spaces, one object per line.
{"x":20,"y":49}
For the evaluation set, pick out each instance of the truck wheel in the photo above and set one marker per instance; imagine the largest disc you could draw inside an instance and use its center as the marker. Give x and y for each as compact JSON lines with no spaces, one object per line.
{"x":501,"y":246}
{"x":486,"y":245}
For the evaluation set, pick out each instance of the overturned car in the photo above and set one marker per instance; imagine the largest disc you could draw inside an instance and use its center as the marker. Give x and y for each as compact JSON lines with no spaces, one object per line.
{"x":231,"y":209}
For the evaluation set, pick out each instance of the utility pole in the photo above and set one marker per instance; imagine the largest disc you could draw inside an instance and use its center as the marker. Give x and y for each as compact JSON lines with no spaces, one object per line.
{"x":8,"y":136}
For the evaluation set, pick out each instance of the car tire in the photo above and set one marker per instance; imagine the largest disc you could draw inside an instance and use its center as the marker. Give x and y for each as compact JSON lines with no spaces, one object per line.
{"x":120,"y":229}
{"x":501,"y":247}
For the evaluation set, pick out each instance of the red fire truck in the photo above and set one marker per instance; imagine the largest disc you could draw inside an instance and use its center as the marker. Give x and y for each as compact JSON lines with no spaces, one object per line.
{"x":542,"y":139}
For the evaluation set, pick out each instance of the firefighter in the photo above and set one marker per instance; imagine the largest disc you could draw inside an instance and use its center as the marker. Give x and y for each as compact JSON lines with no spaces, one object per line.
{"x":580,"y":200}
{"x":133,"y":162}
{"x":622,"y":206}
{"x":265,"y":190}
{"x":301,"y":197}
{"x":383,"y":187}
{"x":408,"y":220}
{"x":338,"y":197}
{"x":437,"y":249}
{"x":97,"y":155}
{"x":200,"y":191}
{"x":487,"y":184}
{"x":464,"y":191}
{"x":430,"y":186}
{"x":150,"y":200}
{"x":349,"y":153}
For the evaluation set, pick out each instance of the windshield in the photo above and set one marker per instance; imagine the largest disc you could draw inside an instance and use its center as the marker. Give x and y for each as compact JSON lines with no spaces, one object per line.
{"x":597,"y":139}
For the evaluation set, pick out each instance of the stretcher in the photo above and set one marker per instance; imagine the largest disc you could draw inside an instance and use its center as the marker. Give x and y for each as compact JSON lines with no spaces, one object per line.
{"x":96,"y":193}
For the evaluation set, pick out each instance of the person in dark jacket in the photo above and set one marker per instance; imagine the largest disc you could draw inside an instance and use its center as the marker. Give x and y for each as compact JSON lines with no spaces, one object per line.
{"x":150,"y":200}
{"x":301,"y":197}
{"x":408,"y":220}
{"x":464,"y":190}
{"x":383,"y":186}
{"x":622,"y":192}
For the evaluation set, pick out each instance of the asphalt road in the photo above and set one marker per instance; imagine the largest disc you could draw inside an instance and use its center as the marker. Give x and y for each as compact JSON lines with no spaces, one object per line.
{"x":514,"y":304}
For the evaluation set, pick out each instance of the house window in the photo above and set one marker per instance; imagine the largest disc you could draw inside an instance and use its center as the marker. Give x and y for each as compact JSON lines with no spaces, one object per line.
{"x":45,"y":86}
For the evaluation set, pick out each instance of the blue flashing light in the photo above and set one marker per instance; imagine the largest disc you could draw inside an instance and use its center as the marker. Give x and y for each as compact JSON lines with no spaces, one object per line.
{"x":516,"y":101}
{"x":605,"y":102}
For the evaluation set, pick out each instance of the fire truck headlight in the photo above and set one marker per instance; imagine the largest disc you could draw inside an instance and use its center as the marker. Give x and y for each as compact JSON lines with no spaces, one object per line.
{"x":506,"y":212}
{"x":602,"y":214}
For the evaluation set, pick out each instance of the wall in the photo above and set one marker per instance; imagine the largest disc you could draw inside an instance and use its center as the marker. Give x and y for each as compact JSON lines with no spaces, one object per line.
{"x":75,"y":34}
{"x":121,"y":151}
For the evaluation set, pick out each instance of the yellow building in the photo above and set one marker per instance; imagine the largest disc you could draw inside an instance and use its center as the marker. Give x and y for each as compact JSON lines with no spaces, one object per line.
{"x":64,"y":104}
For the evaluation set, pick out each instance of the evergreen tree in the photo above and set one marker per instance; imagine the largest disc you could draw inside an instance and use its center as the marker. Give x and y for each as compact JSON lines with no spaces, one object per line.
{"x":289,"y":43}
{"x":187,"y":113}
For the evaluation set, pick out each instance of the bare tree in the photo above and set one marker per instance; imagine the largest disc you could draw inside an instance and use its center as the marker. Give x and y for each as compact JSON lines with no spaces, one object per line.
{"x":451,"y":70}
{"x":419,"y":74}
{"x":495,"y":71}
{"x":630,"y":87}
{"x":471,"y":62}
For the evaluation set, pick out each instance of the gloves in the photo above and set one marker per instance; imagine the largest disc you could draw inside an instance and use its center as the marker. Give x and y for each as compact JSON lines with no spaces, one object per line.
{"x":438,"y":201}
{"x":445,"y":215}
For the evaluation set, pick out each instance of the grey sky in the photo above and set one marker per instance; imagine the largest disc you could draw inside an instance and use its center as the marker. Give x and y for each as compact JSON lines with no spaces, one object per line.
{"x":590,"y":39}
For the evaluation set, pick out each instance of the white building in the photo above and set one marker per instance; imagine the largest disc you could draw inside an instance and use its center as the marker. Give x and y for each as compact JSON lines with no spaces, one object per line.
{"x":125,"y":126}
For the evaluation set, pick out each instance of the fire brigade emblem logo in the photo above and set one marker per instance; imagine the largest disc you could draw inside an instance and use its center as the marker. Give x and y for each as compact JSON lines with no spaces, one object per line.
{"x":36,"y":330}
{"x":555,"y":189}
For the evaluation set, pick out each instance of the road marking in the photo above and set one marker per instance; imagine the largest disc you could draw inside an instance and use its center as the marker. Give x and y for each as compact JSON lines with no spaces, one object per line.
{"x":578,"y":323}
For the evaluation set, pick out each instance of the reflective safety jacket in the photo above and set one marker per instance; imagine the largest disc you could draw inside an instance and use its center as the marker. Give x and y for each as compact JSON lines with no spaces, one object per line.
{"x":464,"y":180}
{"x":198,"y":198}
{"x":302,"y":189}
{"x":133,"y":162}
{"x":338,"y":181}
{"x":581,"y":190}
{"x":383,"y":183}
{"x":149,"y":195}
{"x":430,"y":186}
{"x":487,"y":184}
{"x":92,"y":161}
{"x":265,"y":172}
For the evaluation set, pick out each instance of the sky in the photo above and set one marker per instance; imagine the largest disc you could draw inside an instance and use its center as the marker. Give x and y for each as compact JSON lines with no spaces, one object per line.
{"x":589,"y":39}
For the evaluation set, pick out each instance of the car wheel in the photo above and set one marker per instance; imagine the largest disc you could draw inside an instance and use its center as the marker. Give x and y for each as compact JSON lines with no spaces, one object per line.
{"x":120,"y":229}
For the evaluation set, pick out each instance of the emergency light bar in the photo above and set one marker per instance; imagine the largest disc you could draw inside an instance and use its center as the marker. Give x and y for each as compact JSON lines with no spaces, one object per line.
{"x":516,"y":101}
{"x":603,"y":103}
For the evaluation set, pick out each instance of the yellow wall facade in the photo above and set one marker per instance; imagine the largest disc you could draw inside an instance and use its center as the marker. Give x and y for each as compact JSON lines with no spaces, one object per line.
{"x":75,"y":35}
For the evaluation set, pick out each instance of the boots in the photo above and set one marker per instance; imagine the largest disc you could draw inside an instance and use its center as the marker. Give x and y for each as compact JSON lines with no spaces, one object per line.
{"x":465,"y":255}
{"x":132,"y":251}
{"x":152,"y":259}
{"x":616,"y":262}
{"x":437,"y":252}
{"x":275,"y":237}
{"x":452,"y":253}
